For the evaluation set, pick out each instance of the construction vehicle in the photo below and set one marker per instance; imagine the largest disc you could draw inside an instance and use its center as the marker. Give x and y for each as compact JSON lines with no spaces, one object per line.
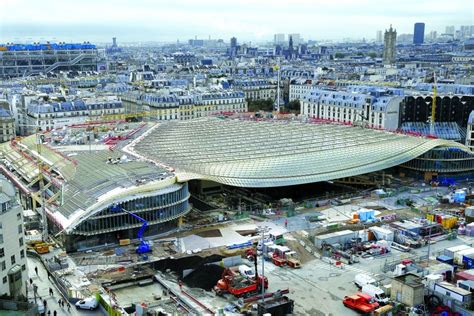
{"x":144,"y":246}
{"x":39,"y":246}
{"x":278,"y":256}
{"x":292,"y":260}
{"x":250,"y":254}
{"x":239,"y":286}
{"x":360,"y":302}
{"x":278,"y":239}
{"x":283,"y":255}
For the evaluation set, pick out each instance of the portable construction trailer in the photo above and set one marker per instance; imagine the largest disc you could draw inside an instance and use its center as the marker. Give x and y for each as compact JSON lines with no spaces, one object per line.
{"x":454,"y":292}
{"x":459,"y":255}
{"x":452,"y":250}
{"x":340,"y":237}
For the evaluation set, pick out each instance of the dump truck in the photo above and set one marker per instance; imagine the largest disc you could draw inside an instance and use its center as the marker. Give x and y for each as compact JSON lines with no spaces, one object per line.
{"x":292,"y":260}
{"x":283,"y":255}
{"x":234,"y":283}
{"x":238,"y":285}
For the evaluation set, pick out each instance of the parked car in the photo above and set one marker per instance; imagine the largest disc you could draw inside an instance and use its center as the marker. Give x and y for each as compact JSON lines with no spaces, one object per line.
{"x":246,"y":272}
{"x":88,"y":303}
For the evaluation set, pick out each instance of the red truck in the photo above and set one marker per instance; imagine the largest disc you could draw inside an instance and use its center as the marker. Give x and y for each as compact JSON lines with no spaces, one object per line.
{"x":360,"y":302}
{"x":237,"y":285}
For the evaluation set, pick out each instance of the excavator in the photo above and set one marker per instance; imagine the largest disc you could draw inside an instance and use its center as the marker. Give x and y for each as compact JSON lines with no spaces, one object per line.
{"x":144,"y":246}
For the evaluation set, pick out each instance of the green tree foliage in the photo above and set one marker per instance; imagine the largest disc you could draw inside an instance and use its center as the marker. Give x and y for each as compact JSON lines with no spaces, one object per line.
{"x":293,"y":106}
{"x":260,"y":105}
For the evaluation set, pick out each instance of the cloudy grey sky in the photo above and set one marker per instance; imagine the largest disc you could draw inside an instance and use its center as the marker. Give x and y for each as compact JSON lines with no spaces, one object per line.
{"x":248,"y":20}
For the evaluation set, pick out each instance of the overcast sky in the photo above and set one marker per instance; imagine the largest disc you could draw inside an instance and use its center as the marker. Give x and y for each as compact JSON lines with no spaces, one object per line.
{"x":248,"y":20}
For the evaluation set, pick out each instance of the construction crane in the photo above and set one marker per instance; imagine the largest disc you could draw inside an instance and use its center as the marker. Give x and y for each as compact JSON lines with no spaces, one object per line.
{"x":277,"y":105}
{"x":433,"y":107}
{"x":144,"y":246}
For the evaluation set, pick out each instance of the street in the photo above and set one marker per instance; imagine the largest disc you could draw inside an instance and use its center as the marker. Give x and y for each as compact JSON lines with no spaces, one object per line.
{"x":44,"y":284}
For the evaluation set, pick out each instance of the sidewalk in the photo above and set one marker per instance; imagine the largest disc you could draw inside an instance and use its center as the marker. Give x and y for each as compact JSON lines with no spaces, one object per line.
{"x":41,"y":280}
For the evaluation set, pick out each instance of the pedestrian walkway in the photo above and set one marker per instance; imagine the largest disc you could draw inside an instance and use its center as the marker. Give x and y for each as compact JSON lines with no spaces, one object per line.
{"x":44,"y":284}
{"x":321,"y":265}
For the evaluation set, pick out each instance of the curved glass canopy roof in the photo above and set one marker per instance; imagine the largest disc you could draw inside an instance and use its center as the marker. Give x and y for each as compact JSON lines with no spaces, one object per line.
{"x":276,"y":153}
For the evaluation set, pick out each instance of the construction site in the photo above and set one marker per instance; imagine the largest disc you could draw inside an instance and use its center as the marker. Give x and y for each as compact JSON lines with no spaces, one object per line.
{"x":154,"y":219}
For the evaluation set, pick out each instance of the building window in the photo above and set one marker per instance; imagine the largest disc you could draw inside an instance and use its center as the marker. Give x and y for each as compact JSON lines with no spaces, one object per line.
{"x":2,"y":252}
{"x":18,"y":216}
{"x":20,"y":241}
{"x":23,"y":267}
{"x":13,"y":259}
{"x":4,"y":279}
{"x":1,"y":238}
{"x":20,"y":229}
{"x":4,"y":266}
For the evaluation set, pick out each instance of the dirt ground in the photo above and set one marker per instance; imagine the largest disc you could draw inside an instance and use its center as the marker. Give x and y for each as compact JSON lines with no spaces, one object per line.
{"x":209,"y":233}
{"x":303,"y":254}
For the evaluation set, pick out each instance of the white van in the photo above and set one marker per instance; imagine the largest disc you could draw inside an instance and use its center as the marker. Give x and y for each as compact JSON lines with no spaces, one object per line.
{"x":362,"y":279}
{"x":377,"y":293}
{"x":87,"y":303}
{"x":246,"y":271}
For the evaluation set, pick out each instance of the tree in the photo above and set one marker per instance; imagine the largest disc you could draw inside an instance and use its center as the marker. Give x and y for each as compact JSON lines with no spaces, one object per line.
{"x":339,"y":55}
{"x":260,"y":105}
{"x":294,"y":106}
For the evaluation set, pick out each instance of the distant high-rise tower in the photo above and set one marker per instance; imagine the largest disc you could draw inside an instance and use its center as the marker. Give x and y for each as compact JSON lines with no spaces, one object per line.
{"x":296,"y":38}
{"x":233,"y":42}
{"x":233,"y":46}
{"x":378,"y":37}
{"x":450,"y":30}
{"x":419,"y":33}
{"x":390,"y":40}
{"x":114,"y":42}
{"x":279,"y":39}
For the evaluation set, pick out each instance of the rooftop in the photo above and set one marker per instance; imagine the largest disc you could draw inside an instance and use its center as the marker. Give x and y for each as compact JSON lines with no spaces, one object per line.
{"x":88,"y":178}
{"x":276,"y":153}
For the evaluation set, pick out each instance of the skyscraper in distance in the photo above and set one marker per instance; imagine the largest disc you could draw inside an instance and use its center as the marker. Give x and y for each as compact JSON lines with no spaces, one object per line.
{"x":450,"y":30}
{"x":378,"y":37}
{"x":279,"y":39}
{"x":390,"y":40}
{"x":419,"y":33}
{"x":233,"y":47}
